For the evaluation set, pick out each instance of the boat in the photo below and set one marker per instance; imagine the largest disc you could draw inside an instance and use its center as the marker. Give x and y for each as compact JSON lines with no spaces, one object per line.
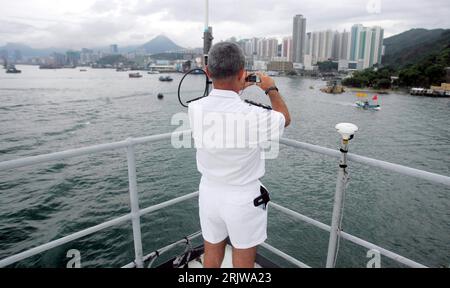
{"x":49,"y":66}
{"x":153,"y":72}
{"x":121,"y":69}
{"x":367,"y":105}
{"x":13,"y":70}
{"x":83,"y":70}
{"x":135,"y":75}
{"x":364,"y":102}
{"x":165,"y":79}
{"x":434,"y":91}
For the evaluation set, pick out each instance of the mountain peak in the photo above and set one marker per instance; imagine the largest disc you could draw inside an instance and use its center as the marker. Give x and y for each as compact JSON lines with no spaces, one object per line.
{"x":160,"y":44}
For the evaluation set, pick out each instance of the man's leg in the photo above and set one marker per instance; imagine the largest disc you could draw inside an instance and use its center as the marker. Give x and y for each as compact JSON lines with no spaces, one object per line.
{"x":244,"y":258}
{"x":214,"y":254}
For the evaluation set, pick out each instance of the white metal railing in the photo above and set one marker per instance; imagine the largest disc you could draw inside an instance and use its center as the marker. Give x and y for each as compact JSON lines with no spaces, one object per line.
{"x":136,"y":212}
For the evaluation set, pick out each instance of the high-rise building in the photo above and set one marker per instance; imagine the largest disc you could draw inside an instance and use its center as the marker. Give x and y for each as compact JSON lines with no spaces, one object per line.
{"x":344,"y":45}
{"x":254,"y":42}
{"x":355,"y":41}
{"x":298,"y":38}
{"x":272,"y":48}
{"x":320,"y":45}
{"x":287,"y":49}
{"x":366,"y":45}
{"x":267,"y":49}
{"x":114,"y":49}
{"x":377,"y":45}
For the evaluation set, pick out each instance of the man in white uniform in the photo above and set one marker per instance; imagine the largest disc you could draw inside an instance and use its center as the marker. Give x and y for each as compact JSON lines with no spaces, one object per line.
{"x":229,"y":135}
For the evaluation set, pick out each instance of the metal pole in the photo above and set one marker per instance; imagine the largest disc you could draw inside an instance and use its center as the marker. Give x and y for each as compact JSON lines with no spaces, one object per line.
{"x":207,"y":36}
{"x":206,"y":14}
{"x":134,"y":203}
{"x":337,"y":208}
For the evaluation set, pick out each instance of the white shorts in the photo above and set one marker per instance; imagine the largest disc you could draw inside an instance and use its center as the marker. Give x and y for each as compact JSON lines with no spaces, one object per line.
{"x":228,"y":211}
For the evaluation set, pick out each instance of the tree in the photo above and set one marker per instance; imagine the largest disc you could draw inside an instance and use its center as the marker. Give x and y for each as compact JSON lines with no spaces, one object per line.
{"x":435,"y":74}
{"x":327,"y":66}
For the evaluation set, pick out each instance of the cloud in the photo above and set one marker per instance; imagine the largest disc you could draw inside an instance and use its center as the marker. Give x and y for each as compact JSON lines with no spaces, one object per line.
{"x":84,"y":23}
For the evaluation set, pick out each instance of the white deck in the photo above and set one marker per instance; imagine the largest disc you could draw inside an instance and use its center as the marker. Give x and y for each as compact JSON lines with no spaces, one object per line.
{"x":227,"y":260}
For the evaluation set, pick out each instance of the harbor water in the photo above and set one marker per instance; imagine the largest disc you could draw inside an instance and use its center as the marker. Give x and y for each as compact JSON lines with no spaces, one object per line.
{"x":44,"y":111}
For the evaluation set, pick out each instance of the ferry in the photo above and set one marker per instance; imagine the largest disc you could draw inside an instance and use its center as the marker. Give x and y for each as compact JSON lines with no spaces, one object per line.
{"x":165,"y":79}
{"x":434,"y":91}
{"x":135,"y":75}
{"x":13,"y":70}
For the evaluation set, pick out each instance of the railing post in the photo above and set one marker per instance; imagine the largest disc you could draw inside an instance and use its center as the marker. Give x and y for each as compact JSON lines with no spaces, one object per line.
{"x":347,"y":131}
{"x":134,"y":203}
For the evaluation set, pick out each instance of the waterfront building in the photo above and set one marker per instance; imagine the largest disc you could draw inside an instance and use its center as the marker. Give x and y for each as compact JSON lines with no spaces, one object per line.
{"x":280,"y":66}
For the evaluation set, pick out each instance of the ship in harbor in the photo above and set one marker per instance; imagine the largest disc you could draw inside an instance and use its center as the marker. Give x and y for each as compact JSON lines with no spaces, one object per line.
{"x":434,"y":91}
{"x":11,"y":69}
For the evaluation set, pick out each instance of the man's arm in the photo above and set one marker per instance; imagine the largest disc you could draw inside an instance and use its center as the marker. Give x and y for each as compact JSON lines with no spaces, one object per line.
{"x":276,"y":100}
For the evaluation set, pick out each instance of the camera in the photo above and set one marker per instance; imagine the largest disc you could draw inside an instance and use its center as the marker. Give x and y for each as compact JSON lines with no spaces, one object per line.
{"x":253,"y":78}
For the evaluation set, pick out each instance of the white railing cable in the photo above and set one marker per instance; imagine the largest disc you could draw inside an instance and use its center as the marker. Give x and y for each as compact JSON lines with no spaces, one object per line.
{"x":348,"y":237}
{"x":47,"y":246}
{"x":58,"y":242}
{"x":284,"y":255}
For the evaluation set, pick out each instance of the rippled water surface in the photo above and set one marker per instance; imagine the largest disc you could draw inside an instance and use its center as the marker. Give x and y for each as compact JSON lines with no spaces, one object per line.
{"x":43,"y":111}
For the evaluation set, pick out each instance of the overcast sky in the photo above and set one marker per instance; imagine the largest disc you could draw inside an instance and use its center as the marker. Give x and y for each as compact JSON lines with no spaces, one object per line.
{"x":93,"y":23}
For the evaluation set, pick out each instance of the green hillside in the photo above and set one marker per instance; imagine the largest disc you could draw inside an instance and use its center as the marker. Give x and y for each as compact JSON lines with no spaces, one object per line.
{"x":413,"y":46}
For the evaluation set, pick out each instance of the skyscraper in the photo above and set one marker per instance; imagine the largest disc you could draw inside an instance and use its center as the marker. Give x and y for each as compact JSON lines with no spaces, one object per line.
{"x":377,"y":45}
{"x":286,"y":50}
{"x":298,"y":38}
{"x":355,"y":41}
{"x":267,"y":48}
{"x":344,"y":45}
{"x":114,"y":49}
{"x":366,"y":45}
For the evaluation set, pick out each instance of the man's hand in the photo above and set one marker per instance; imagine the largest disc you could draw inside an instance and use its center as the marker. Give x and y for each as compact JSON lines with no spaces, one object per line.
{"x":266,"y":81}
{"x":276,"y":100}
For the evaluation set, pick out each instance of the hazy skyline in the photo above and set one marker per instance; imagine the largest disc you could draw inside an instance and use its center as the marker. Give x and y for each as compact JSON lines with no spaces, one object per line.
{"x":88,"y":23}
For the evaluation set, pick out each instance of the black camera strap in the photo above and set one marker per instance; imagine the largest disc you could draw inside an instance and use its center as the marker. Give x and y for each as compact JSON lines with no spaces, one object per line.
{"x":263,"y":199}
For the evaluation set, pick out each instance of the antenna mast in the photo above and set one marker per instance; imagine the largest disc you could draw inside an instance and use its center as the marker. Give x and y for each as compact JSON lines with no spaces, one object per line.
{"x":207,"y":35}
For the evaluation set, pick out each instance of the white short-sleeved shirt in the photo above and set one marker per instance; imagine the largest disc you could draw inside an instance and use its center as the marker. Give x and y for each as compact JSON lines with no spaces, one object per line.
{"x":230,"y":134}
